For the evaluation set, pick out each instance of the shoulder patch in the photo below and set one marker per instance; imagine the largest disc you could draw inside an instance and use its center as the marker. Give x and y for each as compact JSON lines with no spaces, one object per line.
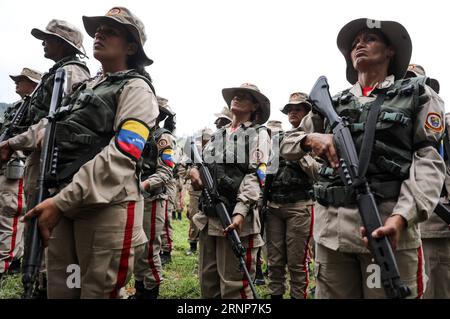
{"x":261,"y":173}
{"x":132,"y":137}
{"x":167,"y":157}
{"x":162,"y":143}
{"x":434,"y":122}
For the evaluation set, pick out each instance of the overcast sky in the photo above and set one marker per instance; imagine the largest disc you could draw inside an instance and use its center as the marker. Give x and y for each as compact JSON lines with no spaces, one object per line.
{"x":202,"y":46}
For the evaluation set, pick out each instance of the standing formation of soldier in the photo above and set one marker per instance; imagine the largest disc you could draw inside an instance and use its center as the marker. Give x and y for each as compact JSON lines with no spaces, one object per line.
{"x":118,"y":180}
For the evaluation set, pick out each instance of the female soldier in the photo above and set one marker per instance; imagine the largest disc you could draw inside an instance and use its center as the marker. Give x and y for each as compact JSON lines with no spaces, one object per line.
{"x":405,"y":171}
{"x":94,"y":222}
{"x":238,"y":155}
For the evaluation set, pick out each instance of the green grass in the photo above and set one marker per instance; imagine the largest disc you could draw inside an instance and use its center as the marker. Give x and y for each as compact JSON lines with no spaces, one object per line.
{"x":180,"y":276}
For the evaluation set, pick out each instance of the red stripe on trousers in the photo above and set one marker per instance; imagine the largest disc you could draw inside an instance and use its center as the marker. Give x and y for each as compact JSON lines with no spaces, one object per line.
{"x":248,"y":264}
{"x":166,"y":227}
{"x":306,"y":254}
{"x":15,"y":222}
{"x":151,"y":262}
{"x":420,"y":273}
{"x":126,"y":247}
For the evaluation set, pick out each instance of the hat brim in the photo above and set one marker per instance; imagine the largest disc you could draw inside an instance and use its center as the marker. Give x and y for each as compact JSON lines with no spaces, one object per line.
{"x":285,"y":108}
{"x":42,"y":35}
{"x":91,"y":25}
{"x":264,"y":103}
{"x":396,"y":34}
{"x":16,"y":78}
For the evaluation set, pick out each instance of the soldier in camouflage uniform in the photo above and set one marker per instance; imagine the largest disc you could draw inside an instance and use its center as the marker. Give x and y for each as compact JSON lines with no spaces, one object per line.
{"x":12,"y":201}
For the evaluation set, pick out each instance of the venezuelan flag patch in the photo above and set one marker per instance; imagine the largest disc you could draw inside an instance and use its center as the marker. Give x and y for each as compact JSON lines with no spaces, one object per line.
{"x":167,"y":157}
{"x":261,"y":173}
{"x":132,"y":137}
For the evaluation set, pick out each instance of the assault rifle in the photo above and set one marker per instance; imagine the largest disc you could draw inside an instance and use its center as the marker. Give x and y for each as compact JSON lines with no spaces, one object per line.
{"x":33,"y":244}
{"x":213,"y":200}
{"x":16,"y":120}
{"x":349,"y":171}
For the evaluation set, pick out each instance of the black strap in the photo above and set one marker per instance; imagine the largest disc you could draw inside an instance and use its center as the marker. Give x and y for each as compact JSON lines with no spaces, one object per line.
{"x":369,"y":135}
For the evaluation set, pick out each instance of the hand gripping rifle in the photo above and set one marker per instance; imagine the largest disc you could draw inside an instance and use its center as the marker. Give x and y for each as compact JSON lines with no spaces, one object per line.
{"x":33,"y":251}
{"x":349,"y":170}
{"x":212,"y":197}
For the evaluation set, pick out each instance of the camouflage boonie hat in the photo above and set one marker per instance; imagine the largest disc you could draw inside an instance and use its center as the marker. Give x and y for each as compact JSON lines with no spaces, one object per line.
{"x":297,"y":98}
{"x":274,"y":126}
{"x":264,"y":103}
{"x":30,"y":74}
{"x":415,"y":70}
{"x":124,"y":17}
{"x":63,"y":30}
{"x":224,"y":114}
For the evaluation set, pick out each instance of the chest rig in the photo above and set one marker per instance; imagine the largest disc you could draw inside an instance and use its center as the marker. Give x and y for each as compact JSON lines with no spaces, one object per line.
{"x":85,"y":123}
{"x":290,"y":183}
{"x":393,"y":147}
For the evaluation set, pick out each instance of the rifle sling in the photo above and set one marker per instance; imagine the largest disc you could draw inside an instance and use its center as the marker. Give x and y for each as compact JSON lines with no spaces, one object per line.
{"x":369,"y":135}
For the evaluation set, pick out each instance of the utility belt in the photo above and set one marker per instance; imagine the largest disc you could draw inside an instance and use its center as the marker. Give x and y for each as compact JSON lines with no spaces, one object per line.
{"x":345,"y":196}
{"x":290,"y":196}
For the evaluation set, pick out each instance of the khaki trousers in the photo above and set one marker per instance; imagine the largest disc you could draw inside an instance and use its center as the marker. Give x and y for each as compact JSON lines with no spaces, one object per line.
{"x":437,"y":266}
{"x":12,"y":208}
{"x":93,"y":256}
{"x":148,"y":266}
{"x":288,"y":233}
{"x":353,"y":275}
{"x":219,"y":269}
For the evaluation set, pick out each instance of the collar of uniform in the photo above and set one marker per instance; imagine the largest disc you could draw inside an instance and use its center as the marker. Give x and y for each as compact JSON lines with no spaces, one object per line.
{"x":356,"y":90}
{"x":245,"y":124}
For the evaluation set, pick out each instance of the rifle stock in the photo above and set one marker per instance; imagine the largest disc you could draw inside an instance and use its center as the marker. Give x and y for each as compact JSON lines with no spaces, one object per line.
{"x":212,"y":197}
{"x":349,"y":164}
{"x":33,"y":252}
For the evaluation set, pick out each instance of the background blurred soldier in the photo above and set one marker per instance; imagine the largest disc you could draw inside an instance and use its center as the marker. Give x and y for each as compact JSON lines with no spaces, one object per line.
{"x":12,"y":201}
{"x":157,"y":167}
{"x":434,"y":231}
{"x":194,"y":196}
{"x":223,"y":118}
{"x":290,"y":217}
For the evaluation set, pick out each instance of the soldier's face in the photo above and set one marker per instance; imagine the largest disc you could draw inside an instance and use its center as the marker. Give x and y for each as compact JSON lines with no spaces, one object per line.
{"x":370,"y":52}
{"x":296,"y":114}
{"x":52,"y":47}
{"x":111,"y":44}
{"x":24,"y":87}
{"x":243,"y":102}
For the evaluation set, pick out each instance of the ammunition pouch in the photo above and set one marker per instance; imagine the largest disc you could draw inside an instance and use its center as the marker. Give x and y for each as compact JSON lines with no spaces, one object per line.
{"x":345,"y":196}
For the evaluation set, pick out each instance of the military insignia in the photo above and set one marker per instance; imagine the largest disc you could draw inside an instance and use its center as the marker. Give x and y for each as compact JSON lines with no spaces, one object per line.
{"x":261,"y":173}
{"x":257,"y":155}
{"x":132,"y":137}
{"x":167,"y":157}
{"x":434,"y":122}
{"x":162,"y":143}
